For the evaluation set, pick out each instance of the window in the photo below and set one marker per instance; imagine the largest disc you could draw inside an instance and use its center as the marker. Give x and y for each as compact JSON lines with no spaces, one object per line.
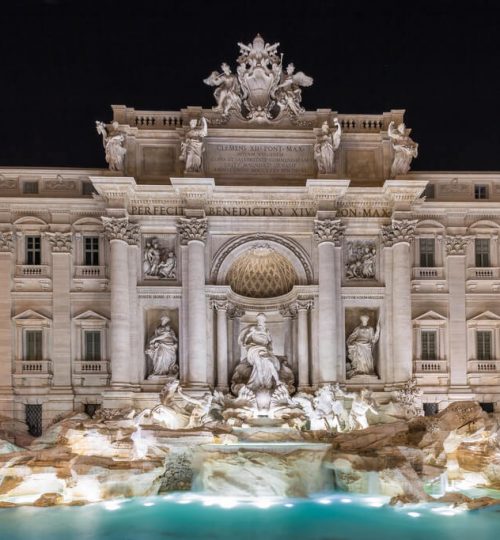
{"x":483,"y":345}
{"x":91,"y":248}
{"x":33,"y":345}
{"x":429,"y":191}
{"x":482,"y":246}
{"x":427,"y":249}
{"x":428,"y":343}
{"x":480,"y":191}
{"x":33,"y":415}
{"x":33,"y":250}
{"x":30,"y":187}
{"x":92,"y":345}
{"x":430,"y":409}
{"x":88,"y":188}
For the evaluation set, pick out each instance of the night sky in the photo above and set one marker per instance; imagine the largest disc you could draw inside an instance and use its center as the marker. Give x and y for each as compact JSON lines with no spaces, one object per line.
{"x":64,"y":62}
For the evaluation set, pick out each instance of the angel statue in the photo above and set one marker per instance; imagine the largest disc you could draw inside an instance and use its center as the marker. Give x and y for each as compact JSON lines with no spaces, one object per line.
{"x":113,"y":145}
{"x":405,"y":149}
{"x":192,"y":146}
{"x":327,"y":143}
{"x":227,"y":93}
{"x":288,"y":93}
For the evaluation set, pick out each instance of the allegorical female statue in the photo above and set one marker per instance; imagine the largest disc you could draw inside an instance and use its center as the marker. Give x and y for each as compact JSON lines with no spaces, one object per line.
{"x":162,"y":349}
{"x":405,"y":149}
{"x":327,"y":142}
{"x":113,"y":145}
{"x":192,"y":146}
{"x":360,"y":348}
{"x":265,"y":365}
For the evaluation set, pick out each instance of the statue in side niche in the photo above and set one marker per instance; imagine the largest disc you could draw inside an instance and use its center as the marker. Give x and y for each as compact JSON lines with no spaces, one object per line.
{"x":360,"y":348}
{"x":162,"y":350}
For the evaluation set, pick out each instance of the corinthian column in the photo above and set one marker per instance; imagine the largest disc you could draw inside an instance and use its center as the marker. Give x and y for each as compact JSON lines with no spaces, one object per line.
{"x":398,"y":237}
{"x":456,"y":247}
{"x":193,"y":233}
{"x":119,"y":233}
{"x":6,"y":250}
{"x":328,"y":233}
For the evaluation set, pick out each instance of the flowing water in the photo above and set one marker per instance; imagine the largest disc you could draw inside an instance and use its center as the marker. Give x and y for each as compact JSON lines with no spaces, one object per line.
{"x":332,"y":516}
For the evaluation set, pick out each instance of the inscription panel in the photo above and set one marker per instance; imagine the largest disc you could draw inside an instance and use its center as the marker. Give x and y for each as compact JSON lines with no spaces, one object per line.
{"x":259,"y":159}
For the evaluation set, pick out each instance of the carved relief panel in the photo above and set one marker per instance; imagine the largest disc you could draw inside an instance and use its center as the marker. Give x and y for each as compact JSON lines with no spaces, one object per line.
{"x":159,"y":259}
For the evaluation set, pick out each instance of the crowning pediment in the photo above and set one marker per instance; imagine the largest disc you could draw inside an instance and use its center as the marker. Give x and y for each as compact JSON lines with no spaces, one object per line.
{"x":90,"y":315}
{"x":30,"y":315}
{"x":486,"y":316}
{"x":430,"y":316}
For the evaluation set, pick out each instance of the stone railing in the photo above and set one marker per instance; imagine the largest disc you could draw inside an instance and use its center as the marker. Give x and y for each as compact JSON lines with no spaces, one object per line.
{"x":148,"y":119}
{"x":91,"y":366}
{"x":89,"y":272}
{"x":32,"y":367}
{"x":484,"y":366}
{"x":483,"y":273}
{"x":428,"y":273}
{"x":32,"y":271}
{"x":431,"y":366}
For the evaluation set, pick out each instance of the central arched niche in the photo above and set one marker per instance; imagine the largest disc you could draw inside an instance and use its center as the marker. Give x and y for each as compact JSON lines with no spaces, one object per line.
{"x":261,"y":272}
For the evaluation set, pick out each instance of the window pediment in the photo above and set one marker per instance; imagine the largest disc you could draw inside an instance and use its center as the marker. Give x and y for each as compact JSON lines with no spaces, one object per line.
{"x":31,"y":318}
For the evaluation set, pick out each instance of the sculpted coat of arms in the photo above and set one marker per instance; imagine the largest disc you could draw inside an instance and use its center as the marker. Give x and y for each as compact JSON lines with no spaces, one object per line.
{"x":261,"y":90}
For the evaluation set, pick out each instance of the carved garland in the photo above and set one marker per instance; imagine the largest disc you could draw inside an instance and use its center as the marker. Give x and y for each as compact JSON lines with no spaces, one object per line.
{"x":7,"y":242}
{"x":60,"y":242}
{"x":456,"y":245}
{"x":228,"y":248}
{"x":192,"y":229}
{"x":398,"y":231}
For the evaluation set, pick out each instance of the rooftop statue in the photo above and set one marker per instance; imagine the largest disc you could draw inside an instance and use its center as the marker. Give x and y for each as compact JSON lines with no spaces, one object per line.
{"x":113,"y":145}
{"x":327,"y":142}
{"x":261,"y":90}
{"x":192,"y":146}
{"x":405,"y":149}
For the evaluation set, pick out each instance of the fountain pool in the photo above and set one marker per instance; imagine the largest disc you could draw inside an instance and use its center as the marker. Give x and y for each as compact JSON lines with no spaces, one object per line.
{"x":189,"y":516}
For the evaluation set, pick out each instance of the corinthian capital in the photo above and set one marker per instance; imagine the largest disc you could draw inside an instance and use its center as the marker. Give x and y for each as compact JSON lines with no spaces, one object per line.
{"x":400,"y":230}
{"x":121,"y":229}
{"x":192,"y":229}
{"x":7,"y":241}
{"x":329,"y":230}
{"x":60,"y":242}
{"x":456,"y":245}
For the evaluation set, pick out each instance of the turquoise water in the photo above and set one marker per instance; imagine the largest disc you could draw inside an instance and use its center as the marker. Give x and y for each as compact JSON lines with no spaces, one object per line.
{"x":191,"y":517}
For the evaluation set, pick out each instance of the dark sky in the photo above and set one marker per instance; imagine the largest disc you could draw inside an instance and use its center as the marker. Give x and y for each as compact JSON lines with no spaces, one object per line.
{"x":64,"y":62}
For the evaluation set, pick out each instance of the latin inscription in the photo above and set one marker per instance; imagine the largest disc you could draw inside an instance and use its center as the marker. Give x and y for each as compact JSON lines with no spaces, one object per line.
{"x":259,"y":159}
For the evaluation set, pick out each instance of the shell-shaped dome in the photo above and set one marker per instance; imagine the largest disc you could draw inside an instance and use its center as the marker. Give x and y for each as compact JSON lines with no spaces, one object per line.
{"x":261,"y":272}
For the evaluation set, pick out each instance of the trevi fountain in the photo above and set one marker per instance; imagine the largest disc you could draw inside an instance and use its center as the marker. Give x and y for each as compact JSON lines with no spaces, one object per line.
{"x":250,"y":365}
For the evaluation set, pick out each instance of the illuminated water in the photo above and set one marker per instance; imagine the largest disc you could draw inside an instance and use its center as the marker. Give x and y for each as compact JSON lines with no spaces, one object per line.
{"x":190,"y":517}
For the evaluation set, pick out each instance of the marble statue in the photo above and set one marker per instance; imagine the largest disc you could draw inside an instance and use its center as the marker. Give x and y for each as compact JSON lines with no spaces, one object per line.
{"x":288,"y":93}
{"x":325,"y":409}
{"x":327,"y":142}
{"x":360,"y":348}
{"x":261,"y":373}
{"x":158,"y":262}
{"x":409,"y":397}
{"x":261,"y":90}
{"x":227,"y":92}
{"x":162,"y":350}
{"x":405,"y":149}
{"x":362,"y":403}
{"x":113,"y":145}
{"x":360,"y":260}
{"x":192,"y":147}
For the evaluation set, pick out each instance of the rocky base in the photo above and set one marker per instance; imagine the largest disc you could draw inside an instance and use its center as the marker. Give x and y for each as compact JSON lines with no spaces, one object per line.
{"x":80,"y":460}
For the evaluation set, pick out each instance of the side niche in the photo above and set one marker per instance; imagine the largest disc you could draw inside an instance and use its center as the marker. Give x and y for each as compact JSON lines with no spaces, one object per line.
{"x":362,"y":330}
{"x":159,"y":259}
{"x":161,"y":348}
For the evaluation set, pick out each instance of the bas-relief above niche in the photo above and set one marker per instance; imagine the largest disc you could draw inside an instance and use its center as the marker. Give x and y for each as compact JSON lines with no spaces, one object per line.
{"x":159,"y":259}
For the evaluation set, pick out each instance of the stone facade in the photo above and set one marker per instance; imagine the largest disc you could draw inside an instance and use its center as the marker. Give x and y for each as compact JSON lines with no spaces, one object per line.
{"x":78,"y":305}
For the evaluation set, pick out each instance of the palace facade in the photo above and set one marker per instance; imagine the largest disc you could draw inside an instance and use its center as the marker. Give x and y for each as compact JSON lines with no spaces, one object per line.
{"x":210,"y":217}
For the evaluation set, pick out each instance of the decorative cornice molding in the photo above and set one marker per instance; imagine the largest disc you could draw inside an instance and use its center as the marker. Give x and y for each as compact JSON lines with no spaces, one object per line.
{"x":121,"y":229}
{"x":60,"y":242}
{"x":192,"y":229}
{"x":329,"y":230}
{"x":398,"y":231}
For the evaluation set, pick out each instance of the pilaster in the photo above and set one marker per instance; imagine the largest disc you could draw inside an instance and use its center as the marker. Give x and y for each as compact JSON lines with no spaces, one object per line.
{"x":6,"y":356}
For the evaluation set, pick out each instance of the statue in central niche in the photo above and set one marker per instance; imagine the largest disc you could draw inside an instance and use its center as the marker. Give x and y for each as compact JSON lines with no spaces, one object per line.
{"x":261,"y":374}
